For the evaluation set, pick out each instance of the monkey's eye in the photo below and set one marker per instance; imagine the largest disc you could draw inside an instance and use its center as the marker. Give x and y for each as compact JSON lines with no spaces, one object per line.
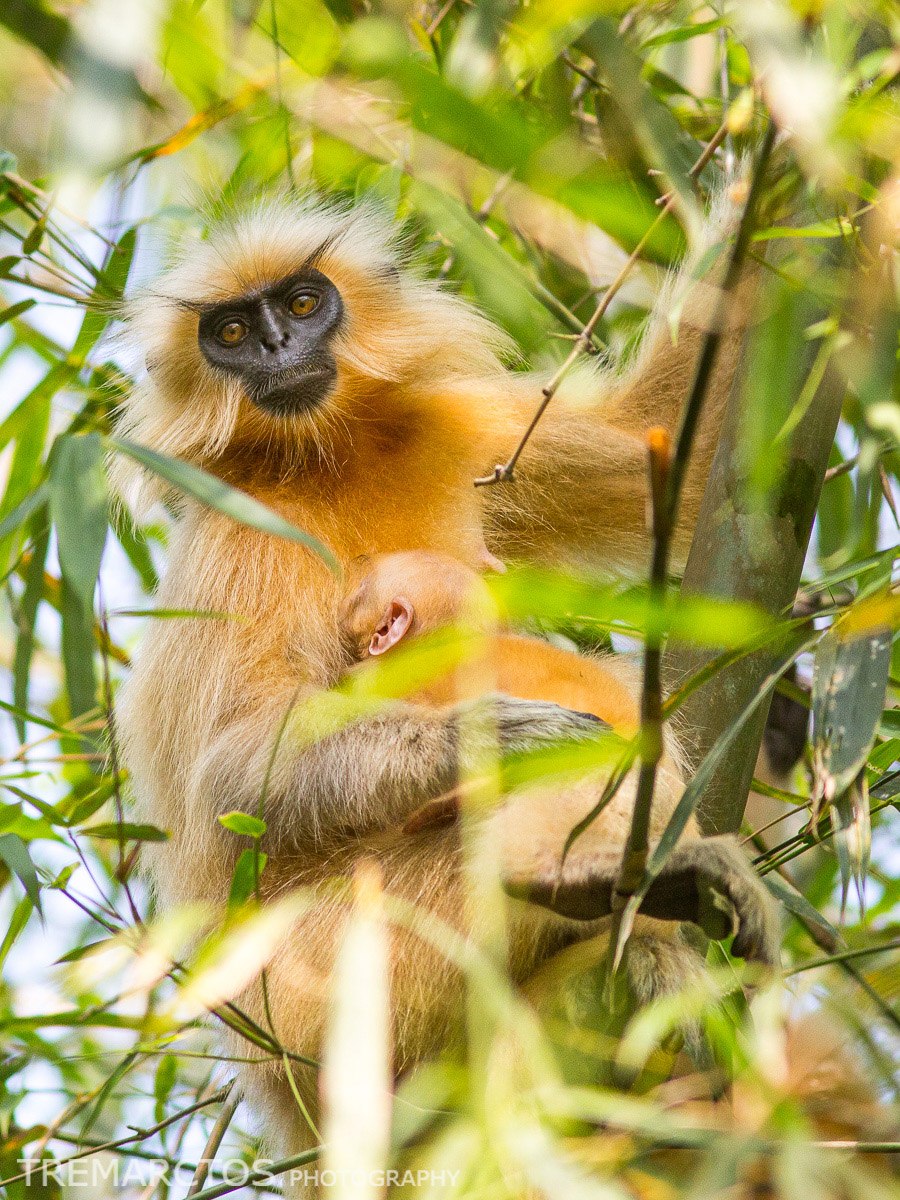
{"x":232,"y":333}
{"x":302,"y":304}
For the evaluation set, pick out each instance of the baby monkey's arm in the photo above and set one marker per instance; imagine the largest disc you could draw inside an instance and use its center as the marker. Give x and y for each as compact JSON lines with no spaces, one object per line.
{"x":707,"y":881}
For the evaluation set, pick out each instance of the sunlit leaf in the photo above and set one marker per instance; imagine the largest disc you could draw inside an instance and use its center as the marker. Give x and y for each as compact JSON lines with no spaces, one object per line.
{"x":852,"y":824}
{"x":211,"y":491}
{"x":127,"y":832}
{"x":39,"y":528}
{"x":243,"y":823}
{"x":357,"y":1074}
{"x":15,"y":854}
{"x":78,"y":507}
{"x":247,"y":870}
{"x":849,"y":686}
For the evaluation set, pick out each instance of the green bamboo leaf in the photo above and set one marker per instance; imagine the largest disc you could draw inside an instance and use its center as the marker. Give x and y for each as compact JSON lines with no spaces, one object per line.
{"x":76,"y":955}
{"x":664,"y":143}
{"x":62,"y":879}
{"x":249,"y":866}
{"x":14,"y":853}
{"x":499,"y":283}
{"x":797,"y":904}
{"x":28,"y":425}
{"x":92,"y":802}
{"x":78,"y":505}
{"x":163,"y":1082}
{"x":211,"y":491}
{"x":77,"y":650}
{"x":23,"y":511}
{"x":683,"y":33}
{"x":35,"y":235}
{"x":243,"y":823}
{"x":852,"y":823}
{"x":33,"y":593}
{"x":118,"y":264}
{"x":21,"y":914}
{"x":99,"y":313}
{"x":837,"y":227}
{"x":135,"y":543}
{"x":849,"y":685}
{"x":107,"y":1090}
{"x":116,"y":831}
{"x":16,"y":310}
{"x":700,"y":620}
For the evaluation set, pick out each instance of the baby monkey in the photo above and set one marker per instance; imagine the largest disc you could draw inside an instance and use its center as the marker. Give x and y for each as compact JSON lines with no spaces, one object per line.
{"x":707,"y":881}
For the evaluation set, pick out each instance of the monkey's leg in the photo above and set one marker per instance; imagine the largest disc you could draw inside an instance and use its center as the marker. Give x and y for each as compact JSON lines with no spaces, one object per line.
{"x":707,"y":881}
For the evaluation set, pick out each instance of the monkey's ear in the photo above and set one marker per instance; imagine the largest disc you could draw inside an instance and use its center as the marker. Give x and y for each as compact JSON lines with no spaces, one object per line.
{"x":395,"y":623}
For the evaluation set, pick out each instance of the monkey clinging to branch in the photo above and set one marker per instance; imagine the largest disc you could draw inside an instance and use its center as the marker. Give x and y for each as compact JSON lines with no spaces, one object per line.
{"x":294,"y":356}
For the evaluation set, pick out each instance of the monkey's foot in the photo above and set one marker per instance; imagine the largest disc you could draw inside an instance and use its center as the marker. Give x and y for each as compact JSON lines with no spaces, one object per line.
{"x":708,"y":882}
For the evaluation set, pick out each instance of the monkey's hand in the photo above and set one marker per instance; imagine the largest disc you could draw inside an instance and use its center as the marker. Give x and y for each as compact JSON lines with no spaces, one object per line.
{"x":707,"y":881}
{"x":520,"y":725}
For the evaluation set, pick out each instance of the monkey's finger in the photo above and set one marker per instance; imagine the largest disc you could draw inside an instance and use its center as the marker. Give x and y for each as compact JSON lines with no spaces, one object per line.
{"x":586,"y":900}
{"x":716,"y":915}
{"x":758,"y":938}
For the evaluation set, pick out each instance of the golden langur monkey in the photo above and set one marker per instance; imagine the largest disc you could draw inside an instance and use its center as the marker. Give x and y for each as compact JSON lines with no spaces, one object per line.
{"x":293,"y":355}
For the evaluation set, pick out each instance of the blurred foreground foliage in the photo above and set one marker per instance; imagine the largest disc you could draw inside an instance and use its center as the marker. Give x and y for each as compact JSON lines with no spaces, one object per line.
{"x":525,"y":149}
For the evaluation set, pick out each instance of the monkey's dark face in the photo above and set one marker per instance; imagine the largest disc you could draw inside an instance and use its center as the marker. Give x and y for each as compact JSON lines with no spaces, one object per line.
{"x":277,"y":341}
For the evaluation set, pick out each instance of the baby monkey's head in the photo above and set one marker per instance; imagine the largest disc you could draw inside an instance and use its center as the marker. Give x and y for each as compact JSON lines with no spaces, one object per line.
{"x":409,"y":593}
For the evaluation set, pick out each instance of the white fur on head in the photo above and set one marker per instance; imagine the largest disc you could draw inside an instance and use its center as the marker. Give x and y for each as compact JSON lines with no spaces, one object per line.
{"x":399,"y":331}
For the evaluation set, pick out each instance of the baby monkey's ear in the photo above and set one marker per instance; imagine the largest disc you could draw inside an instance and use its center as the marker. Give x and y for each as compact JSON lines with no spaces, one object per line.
{"x":395,"y":623}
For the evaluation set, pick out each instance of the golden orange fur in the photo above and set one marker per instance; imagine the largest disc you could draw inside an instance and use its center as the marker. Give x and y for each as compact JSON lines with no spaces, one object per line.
{"x":422,"y":405}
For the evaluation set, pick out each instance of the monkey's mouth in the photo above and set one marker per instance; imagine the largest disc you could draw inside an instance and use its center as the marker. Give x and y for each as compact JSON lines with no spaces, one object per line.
{"x":295,"y":390}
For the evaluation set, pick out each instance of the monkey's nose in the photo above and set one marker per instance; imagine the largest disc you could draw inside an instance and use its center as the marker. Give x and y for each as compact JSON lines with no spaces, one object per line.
{"x":273,"y":335}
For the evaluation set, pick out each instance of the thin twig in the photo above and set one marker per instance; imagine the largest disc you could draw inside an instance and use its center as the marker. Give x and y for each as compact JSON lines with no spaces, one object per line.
{"x":503,"y":473}
{"x":254,"y":1177}
{"x":841,"y":468}
{"x":438,"y":20}
{"x":214,"y":1141}
{"x":634,"y":857}
{"x":140,"y":1135}
{"x":888,"y":493}
{"x":843,"y":956}
{"x":586,"y":75}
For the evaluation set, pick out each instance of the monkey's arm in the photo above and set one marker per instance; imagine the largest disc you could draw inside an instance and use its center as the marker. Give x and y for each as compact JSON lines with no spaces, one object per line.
{"x":579,"y":493}
{"x":372,"y":773}
{"x":706,"y":881}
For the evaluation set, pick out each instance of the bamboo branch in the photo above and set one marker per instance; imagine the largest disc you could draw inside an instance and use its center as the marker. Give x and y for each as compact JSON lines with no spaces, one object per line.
{"x":667,"y":475}
{"x":263,"y":1176}
{"x":726,"y":541}
{"x":216,"y":1136}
